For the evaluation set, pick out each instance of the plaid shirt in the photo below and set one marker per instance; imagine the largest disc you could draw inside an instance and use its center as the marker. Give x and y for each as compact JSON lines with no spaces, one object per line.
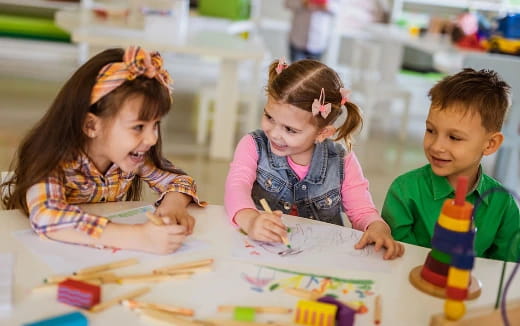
{"x":53,"y":202}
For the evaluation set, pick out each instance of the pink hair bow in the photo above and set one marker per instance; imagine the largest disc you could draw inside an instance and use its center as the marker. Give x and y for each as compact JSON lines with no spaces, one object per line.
{"x":319,"y":106}
{"x":282,"y":64}
{"x":136,"y":62}
{"x":345,"y":93}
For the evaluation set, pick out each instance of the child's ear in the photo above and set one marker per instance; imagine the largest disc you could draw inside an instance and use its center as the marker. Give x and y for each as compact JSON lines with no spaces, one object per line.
{"x":493,"y":143}
{"x":325,"y":133}
{"x":91,"y":126}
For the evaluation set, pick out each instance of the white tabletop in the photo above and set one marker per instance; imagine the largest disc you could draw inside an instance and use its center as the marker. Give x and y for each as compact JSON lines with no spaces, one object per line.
{"x":213,"y":40}
{"x":402,"y":303}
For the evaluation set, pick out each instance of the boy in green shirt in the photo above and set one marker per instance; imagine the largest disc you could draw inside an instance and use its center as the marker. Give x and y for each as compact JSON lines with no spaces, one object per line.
{"x":464,"y":122}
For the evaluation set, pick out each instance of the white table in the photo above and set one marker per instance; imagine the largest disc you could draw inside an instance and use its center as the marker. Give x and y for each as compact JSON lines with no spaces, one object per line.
{"x":402,"y":303}
{"x":229,"y":49}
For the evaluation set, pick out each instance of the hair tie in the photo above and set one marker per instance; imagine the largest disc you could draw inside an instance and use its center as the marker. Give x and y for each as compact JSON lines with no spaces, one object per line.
{"x":319,"y":106}
{"x":282,"y":64}
{"x":136,"y":62}
{"x":345,"y":93}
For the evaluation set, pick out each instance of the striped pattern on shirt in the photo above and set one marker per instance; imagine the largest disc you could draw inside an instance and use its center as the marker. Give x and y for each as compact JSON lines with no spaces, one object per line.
{"x":53,"y":203}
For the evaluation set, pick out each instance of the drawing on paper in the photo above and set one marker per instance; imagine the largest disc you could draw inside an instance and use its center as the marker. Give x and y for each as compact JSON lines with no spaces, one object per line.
{"x":264,"y":279}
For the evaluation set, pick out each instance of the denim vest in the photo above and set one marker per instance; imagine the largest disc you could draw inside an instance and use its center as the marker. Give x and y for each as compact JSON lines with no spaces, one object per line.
{"x":317,"y":196}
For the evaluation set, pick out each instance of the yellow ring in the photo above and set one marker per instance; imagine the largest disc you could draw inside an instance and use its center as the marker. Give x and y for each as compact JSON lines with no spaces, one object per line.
{"x":454,"y":224}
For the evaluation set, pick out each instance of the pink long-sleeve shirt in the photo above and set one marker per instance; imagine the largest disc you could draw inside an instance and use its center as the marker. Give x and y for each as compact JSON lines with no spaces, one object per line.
{"x":356,"y":199}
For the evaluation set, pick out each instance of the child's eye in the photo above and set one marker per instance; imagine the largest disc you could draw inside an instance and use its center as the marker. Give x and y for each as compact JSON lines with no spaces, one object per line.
{"x":455,"y":138}
{"x":290,"y":130}
{"x":138,"y":127}
{"x":429,"y":130}
{"x":267,"y":116}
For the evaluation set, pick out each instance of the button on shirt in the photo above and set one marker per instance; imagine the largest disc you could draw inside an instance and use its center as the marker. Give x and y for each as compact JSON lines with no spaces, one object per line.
{"x":53,"y":202}
{"x":414,"y":201}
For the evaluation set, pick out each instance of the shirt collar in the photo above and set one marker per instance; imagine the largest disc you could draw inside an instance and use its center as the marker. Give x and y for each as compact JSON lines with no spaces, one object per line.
{"x":84,"y":164}
{"x":441,"y":188}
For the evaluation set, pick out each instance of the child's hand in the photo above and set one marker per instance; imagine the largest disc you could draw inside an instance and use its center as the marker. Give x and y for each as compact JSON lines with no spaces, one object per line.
{"x":174,"y":206}
{"x":267,"y":227}
{"x":178,"y":216}
{"x":161,"y":239}
{"x":379,"y":233}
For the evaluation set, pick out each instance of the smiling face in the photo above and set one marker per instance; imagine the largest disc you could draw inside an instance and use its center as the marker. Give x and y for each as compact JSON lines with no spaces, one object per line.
{"x":123,"y":139}
{"x":290,"y":130}
{"x":455,"y":141}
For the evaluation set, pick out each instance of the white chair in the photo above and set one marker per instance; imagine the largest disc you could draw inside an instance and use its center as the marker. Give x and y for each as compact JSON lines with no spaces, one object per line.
{"x":507,"y":163}
{"x":366,"y":82}
{"x":248,"y":117}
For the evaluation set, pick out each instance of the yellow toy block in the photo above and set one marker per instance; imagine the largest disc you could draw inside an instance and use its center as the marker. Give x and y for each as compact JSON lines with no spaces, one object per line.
{"x":315,"y":313}
{"x":454,"y":224}
{"x":458,"y":278}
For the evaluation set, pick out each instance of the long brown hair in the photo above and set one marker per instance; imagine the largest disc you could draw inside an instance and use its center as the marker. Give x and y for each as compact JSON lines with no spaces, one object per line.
{"x":482,"y":92}
{"x":59,"y":135}
{"x":301,"y":82}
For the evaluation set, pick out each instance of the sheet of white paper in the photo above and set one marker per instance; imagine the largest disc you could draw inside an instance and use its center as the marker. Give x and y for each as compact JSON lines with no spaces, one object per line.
{"x":324,"y":245}
{"x":6,"y":281}
{"x":66,"y":258}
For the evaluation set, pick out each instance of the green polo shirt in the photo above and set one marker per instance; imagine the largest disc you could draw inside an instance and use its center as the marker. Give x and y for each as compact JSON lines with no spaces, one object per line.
{"x":414,"y":201}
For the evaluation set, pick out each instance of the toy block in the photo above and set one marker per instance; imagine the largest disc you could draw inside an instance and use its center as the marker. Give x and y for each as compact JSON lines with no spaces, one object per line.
{"x":344,"y":315}
{"x":78,"y":293}
{"x":314,"y":313}
{"x":75,"y":318}
{"x":458,"y":278}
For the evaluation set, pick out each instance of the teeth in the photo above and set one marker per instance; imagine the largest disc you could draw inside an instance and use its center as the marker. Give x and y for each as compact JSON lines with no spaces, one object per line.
{"x":137,"y":154}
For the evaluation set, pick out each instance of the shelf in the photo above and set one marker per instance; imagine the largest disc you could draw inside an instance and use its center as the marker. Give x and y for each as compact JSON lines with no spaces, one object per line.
{"x":47,"y":4}
{"x":498,"y":6}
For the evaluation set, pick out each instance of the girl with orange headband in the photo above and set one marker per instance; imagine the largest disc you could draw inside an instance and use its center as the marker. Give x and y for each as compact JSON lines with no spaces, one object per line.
{"x":97,"y":143}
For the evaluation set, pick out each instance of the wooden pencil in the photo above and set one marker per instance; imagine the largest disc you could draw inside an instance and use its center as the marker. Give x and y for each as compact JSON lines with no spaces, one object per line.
{"x":109,"y":303}
{"x":377,"y":310}
{"x":140,"y":278}
{"x":258,"y":309}
{"x":189,"y":265}
{"x":154,"y":218}
{"x":133,"y":304}
{"x":82,"y":277}
{"x":106,"y":267}
{"x":169,"y":318}
{"x":266,"y":207}
{"x":221,"y":322}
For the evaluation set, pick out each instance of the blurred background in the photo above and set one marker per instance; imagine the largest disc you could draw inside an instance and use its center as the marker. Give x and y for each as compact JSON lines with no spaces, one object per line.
{"x":390,"y":53}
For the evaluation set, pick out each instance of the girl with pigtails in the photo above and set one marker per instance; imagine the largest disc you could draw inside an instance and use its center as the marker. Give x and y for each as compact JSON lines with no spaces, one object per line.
{"x":296,"y":165}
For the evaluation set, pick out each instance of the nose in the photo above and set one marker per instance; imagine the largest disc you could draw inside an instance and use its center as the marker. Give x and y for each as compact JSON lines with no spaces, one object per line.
{"x":437,"y":144}
{"x":151,"y":136}
{"x":275,"y":132}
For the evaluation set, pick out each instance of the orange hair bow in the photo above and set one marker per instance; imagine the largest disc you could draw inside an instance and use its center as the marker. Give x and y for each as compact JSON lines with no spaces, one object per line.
{"x":136,"y":62}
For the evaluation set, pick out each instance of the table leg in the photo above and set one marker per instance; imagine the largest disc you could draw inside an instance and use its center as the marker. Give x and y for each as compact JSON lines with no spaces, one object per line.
{"x":226,"y":107}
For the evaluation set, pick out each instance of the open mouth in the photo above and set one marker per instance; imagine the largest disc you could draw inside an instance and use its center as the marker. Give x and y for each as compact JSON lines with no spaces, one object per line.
{"x":439,"y":161}
{"x":137,"y":157}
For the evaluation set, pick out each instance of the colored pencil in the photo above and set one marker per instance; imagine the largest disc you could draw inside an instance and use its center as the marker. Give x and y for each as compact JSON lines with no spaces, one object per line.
{"x":106,"y":267}
{"x":184,"y":266}
{"x":133,"y":304}
{"x":258,"y":309}
{"x":151,"y":278}
{"x":377,"y":310}
{"x":266,"y":207}
{"x":168,"y":318}
{"x":154,"y":218}
{"x":109,"y":303}
{"x":83,"y":277}
{"x":222,"y":322}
